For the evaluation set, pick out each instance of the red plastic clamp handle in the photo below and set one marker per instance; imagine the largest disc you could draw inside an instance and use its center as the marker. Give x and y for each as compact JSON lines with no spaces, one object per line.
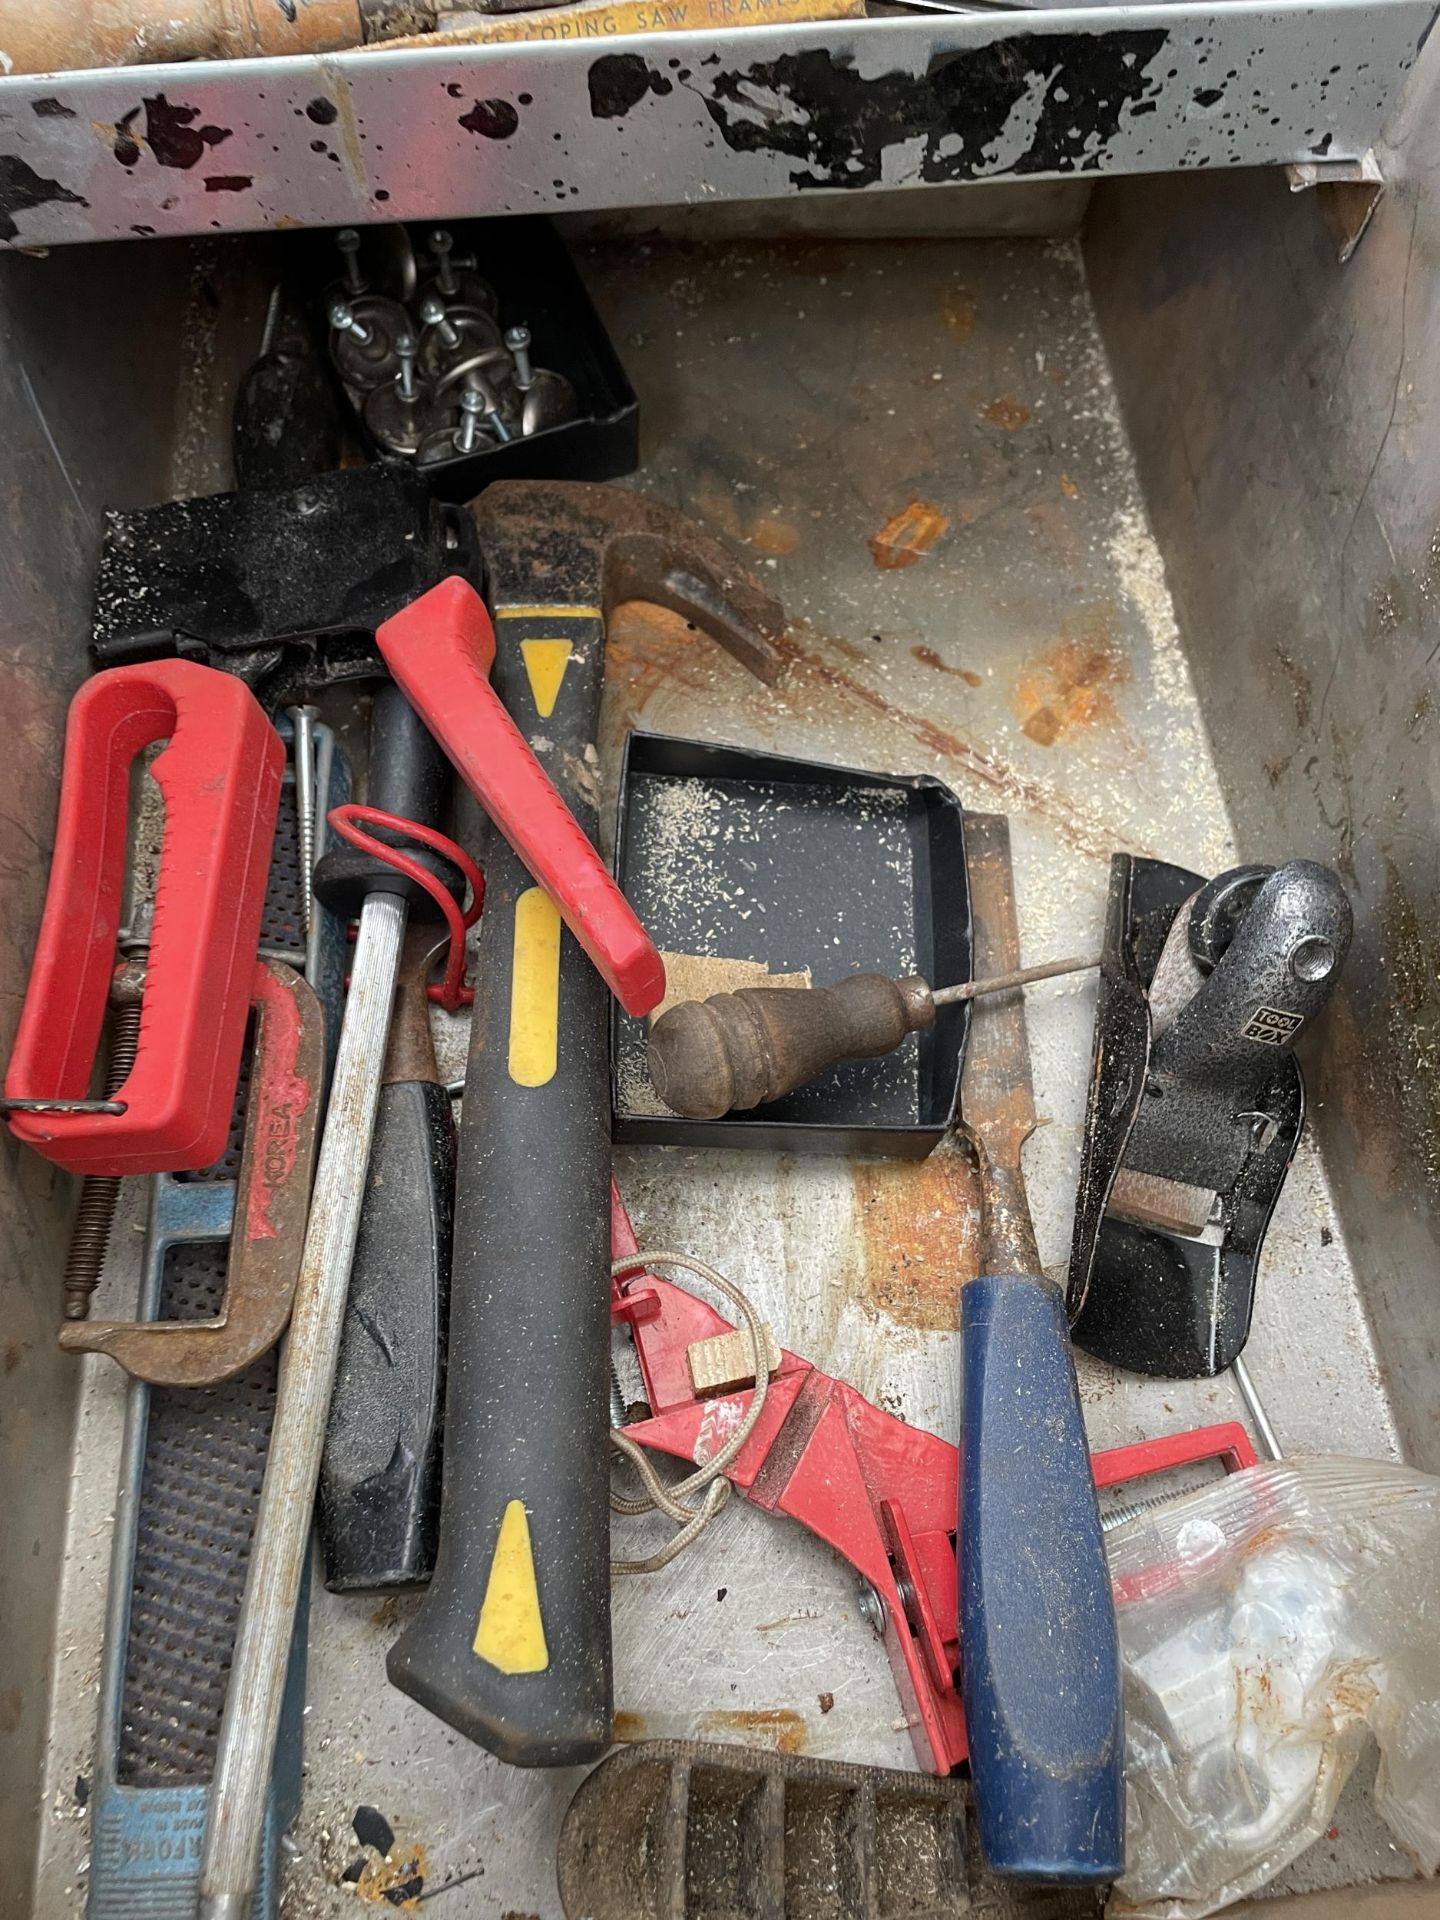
{"x":220,"y":778}
{"x":440,"y":650}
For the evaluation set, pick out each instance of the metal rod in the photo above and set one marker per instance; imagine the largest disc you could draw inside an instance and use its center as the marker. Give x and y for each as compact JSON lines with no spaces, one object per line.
{"x":1022,"y":977}
{"x":1259,"y":1419}
{"x":302,"y":722}
{"x":307,"y":1375}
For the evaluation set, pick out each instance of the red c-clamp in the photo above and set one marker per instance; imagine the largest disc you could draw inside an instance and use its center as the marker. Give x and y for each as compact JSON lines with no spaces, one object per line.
{"x":220,"y":778}
{"x":879,"y":1491}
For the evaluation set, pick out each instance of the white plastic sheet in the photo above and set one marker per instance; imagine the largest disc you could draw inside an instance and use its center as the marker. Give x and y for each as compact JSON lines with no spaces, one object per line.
{"x":1270,"y":1626}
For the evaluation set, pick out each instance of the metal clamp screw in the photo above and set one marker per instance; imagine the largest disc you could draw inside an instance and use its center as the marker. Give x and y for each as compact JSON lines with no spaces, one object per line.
{"x":440,"y":242}
{"x":405,"y":350}
{"x":348,"y":242}
{"x":433,"y":313}
{"x":344,"y":319}
{"x":517,"y":339}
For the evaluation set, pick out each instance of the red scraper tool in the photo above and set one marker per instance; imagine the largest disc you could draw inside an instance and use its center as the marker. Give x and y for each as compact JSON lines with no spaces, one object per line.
{"x":440,"y":649}
{"x":219,"y":775}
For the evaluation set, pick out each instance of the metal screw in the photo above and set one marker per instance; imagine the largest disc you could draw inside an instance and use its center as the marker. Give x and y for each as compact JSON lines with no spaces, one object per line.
{"x":302,"y":746}
{"x":517,"y":339}
{"x":489,"y":406}
{"x":348,"y":241}
{"x":440,"y":244}
{"x":344,"y":320}
{"x":405,"y":378}
{"x":1113,"y":1517}
{"x":99,"y":1192}
{"x":472,"y":405}
{"x":872,"y":1608}
{"x":432,"y":312}
{"x":619,"y":1412}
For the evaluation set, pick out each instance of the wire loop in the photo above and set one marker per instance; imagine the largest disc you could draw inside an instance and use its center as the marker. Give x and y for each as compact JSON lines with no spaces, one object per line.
{"x":350,"y":822}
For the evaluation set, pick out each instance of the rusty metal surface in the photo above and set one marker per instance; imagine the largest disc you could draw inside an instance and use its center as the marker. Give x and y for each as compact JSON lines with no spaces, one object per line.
{"x":44,"y":36}
{"x":729,"y":113}
{"x":272,"y":1199}
{"x":799,"y":399}
{"x":583,"y":544}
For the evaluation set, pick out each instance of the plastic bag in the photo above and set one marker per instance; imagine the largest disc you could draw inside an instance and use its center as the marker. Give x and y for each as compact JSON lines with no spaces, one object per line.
{"x":1269,"y":1625}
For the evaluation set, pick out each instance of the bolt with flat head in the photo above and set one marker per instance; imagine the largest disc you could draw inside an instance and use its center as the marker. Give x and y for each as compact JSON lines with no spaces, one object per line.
{"x":472,"y":405}
{"x":517,"y":339}
{"x":405,"y":351}
{"x":440,"y":243}
{"x":489,"y":406}
{"x":348,"y":242}
{"x":344,"y":319}
{"x":433,"y":313}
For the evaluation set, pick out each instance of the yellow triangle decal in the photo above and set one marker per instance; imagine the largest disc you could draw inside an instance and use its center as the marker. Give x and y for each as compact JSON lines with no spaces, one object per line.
{"x":511,"y":1634}
{"x":545,"y":663}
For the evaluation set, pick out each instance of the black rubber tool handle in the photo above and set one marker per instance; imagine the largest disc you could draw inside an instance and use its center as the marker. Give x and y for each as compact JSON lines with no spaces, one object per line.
{"x":512,"y":1644}
{"x":407,"y":775}
{"x":382,"y":1446}
{"x":379,"y":1497}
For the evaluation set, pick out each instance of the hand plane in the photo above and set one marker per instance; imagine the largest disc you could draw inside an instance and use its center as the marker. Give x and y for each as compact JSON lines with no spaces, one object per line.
{"x":1196,"y":1102}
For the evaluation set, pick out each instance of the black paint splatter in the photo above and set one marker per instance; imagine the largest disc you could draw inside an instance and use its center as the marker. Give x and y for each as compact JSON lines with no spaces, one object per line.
{"x":816,"y":109}
{"x":620,"y":81}
{"x":126,"y":147}
{"x":1208,"y":96}
{"x":372,"y":1829}
{"x":171,"y":137}
{"x":22,"y":188}
{"x":228,"y":182}
{"x":491,"y":119}
{"x":51,"y":109}
{"x":322,"y":111}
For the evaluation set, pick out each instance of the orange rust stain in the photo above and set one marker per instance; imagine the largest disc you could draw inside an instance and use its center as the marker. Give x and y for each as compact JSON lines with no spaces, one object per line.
{"x":767,"y":531}
{"x":919,"y":1234}
{"x":14,"y":1353}
{"x":908,"y":534}
{"x":957,"y":308}
{"x":808,"y":672}
{"x":1007,"y":413}
{"x":1070,"y":686}
{"x":720,"y":510}
{"x":381,"y":1882}
{"x":773,"y":535}
{"x":630,"y":1726}
{"x":928,"y":657}
{"x":779,"y":1728}
{"x":1068,"y":487}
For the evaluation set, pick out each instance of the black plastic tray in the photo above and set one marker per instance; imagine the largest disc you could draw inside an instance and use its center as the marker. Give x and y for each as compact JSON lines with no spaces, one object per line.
{"x":537,"y":282}
{"x":753,"y":856}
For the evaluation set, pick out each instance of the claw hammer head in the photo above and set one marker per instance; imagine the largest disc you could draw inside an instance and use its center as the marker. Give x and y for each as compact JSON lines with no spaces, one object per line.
{"x":580,"y":543}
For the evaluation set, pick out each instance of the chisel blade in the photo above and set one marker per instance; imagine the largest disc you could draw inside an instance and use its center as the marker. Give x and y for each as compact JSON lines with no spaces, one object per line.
{"x":997,"y":1093}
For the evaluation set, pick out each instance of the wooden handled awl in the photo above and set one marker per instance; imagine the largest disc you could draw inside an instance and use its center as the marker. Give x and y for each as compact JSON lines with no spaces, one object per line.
{"x":739,"y":1050}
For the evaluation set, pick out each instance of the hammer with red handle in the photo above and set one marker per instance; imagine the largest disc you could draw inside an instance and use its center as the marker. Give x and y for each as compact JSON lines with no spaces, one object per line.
{"x":511,"y":1645}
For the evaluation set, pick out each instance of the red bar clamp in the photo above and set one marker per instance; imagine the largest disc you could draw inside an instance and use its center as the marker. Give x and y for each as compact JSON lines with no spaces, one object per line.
{"x":440,"y":650}
{"x":881,"y":1492}
{"x":220,"y":778}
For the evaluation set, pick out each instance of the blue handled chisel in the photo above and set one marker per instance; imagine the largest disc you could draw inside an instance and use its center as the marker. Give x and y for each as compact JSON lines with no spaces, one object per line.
{"x":1040,"y":1665}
